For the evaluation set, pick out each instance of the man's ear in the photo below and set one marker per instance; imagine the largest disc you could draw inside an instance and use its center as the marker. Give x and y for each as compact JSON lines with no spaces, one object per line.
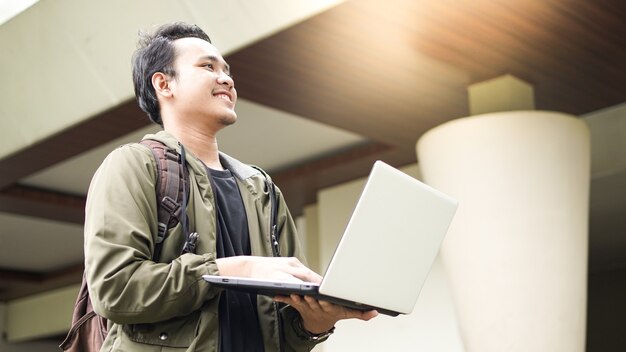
{"x":161,"y":84}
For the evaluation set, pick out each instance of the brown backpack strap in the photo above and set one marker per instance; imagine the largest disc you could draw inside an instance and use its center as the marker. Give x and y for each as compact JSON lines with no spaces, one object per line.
{"x":171,"y":183}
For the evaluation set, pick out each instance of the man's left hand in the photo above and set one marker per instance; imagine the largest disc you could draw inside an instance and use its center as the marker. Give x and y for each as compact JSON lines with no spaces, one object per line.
{"x":321,"y":316}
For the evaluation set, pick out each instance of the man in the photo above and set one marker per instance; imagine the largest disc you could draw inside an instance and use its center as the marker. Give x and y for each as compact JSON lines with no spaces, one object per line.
{"x":184,"y":84}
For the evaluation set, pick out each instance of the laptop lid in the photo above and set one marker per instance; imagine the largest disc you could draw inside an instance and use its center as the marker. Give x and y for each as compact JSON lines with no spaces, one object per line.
{"x":390,"y":242}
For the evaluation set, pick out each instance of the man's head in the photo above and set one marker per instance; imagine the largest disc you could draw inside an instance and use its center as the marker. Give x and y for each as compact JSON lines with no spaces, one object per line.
{"x":176,"y":66}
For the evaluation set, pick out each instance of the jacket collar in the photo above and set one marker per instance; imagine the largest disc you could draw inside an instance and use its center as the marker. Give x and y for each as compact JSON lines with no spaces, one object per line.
{"x":239,"y":169}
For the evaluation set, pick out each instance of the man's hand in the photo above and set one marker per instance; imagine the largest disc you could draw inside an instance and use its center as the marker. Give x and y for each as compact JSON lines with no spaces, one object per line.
{"x":272,"y":268}
{"x":317,"y":316}
{"x":321,"y":316}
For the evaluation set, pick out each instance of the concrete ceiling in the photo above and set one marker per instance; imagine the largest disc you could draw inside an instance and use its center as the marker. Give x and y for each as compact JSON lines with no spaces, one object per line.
{"x":326,"y":88}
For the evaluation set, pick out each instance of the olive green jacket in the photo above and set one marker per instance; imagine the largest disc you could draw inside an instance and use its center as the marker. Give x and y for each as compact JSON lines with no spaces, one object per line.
{"x":166,"y":305}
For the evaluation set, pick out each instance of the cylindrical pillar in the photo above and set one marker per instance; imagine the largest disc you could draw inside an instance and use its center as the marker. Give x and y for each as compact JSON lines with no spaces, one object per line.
{"x":516,"y":252}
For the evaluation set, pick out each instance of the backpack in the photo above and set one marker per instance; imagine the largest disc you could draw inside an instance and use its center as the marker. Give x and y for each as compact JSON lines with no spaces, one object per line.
{"x":88,"y":329}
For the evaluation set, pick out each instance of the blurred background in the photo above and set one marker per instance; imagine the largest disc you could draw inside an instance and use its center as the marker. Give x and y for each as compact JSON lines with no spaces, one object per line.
{"x":325,"y":89}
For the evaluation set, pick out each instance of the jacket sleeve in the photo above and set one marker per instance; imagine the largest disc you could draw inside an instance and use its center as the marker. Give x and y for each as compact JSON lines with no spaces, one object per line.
{"x":125,"y":284}
{"x":290,"y":246}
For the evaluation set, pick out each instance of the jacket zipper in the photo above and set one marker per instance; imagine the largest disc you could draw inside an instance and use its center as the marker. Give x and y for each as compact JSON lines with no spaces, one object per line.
{"x":279,"y":322}
{"x":276,"y":253}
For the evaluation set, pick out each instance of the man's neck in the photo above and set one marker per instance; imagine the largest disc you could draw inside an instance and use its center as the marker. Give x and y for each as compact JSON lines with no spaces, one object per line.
{"x":202,"y":143}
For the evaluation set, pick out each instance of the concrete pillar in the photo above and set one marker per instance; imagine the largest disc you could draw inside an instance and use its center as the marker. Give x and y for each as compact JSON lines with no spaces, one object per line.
{"x":516,"y":253}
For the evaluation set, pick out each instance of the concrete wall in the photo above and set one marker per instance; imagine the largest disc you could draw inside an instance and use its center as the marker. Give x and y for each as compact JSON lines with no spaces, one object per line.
{"x":40,"y":346}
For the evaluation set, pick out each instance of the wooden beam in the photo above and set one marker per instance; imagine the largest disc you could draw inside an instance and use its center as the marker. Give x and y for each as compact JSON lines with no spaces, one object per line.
{"x":300,"y":184}
{"x":16,"y":283}
{"x":29,"y":201}
{"x":20,"y":276}
{"x":86,"y":135}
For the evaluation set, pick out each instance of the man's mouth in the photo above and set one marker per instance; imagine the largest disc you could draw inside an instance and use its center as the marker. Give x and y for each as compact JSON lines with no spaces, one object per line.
{"x":224,"y":96}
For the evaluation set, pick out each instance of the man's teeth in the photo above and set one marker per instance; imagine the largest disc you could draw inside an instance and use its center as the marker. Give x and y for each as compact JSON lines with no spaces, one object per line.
{"x":223,"y":96}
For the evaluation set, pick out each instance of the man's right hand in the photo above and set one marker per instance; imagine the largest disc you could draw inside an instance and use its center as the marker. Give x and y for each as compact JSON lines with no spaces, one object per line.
{"x":272,"y":268}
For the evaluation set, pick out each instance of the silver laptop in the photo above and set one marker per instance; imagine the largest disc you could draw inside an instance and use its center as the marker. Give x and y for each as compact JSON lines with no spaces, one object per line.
{"x":385,"y":253}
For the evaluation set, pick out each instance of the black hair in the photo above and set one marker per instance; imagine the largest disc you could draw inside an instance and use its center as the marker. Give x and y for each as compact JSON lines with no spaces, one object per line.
{"x":156,"y":53}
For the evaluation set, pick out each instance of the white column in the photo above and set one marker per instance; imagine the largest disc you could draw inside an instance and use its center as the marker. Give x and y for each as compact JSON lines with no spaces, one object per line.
{"x":516,"y":253}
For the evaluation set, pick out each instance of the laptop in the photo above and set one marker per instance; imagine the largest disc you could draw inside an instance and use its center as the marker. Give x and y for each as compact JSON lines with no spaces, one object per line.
{"x":385,"y":253}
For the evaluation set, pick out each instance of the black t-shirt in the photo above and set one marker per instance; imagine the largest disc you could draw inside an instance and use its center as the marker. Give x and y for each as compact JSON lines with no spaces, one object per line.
{"x":239,"y":328}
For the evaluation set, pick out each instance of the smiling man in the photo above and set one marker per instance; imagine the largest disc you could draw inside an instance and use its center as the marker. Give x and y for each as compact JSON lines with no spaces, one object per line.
{"x":159,"y":302}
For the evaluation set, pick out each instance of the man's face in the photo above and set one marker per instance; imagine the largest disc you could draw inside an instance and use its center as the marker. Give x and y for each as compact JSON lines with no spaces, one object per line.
{"x":203,"y":88}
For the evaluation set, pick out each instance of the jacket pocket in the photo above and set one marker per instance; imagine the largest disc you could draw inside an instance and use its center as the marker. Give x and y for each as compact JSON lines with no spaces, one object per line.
{"x":176,"y":332}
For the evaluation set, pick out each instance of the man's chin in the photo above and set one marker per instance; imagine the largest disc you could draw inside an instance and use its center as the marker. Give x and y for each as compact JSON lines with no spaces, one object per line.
{"x":228,"y":120}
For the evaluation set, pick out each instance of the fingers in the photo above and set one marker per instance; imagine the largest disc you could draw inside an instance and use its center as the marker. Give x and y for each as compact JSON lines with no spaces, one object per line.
{"x":287,"y":277}
{"x":314,"y":305}
{"x":369,"y":315}
{"x":300,"y":303}
{"x":283,"y":268}
{"x":306,"y":274}
{"x":306,"y":305}
{"x":347,"y":313}
{"x":299,"y":270}
{"x":319,"y":316}
{"x":309,"y":305}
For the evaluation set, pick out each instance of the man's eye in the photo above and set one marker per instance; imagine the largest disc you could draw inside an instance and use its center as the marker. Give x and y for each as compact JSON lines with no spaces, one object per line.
{"x":210,"y":66}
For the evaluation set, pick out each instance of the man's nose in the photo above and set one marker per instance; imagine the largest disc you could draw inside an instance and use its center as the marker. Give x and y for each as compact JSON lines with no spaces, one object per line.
{"x":224,"y":78}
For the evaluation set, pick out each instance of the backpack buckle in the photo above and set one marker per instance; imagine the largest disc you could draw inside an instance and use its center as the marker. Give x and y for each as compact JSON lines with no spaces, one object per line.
{"x":169,"y":204}
{"x":161,"y":232}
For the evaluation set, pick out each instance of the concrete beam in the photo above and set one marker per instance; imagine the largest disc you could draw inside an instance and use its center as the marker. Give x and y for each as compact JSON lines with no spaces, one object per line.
{"x":68,"y":61}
